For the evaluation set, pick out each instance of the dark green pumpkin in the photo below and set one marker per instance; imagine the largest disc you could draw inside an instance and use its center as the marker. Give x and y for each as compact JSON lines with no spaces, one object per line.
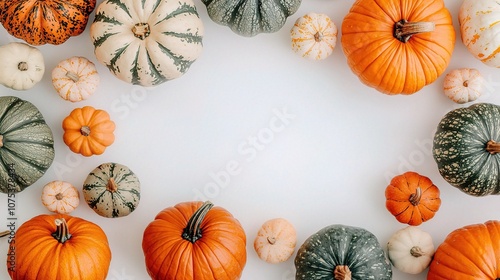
{"x":251,"y":17}
{"x":26,"y":144}
{"x":466,"y":147}
{"x":337,"y":250}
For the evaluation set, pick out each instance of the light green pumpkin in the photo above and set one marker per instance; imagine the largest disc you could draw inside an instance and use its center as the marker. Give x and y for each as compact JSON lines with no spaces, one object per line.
{"x":26,"y":144}
{"x":251,"y":17}
{"x":112,"y":190}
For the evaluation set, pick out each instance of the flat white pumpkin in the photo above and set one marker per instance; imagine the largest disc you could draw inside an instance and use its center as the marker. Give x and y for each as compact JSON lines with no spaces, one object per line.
{"x":463,"y":85}
{"x":147,"y":42}
{"x":314,"y":36}
{"x":22,"y":66}
{"x":60,"y":197}
{"x":75,"y":79}
{"x":410,"y":249}
{"x":275,"y":241}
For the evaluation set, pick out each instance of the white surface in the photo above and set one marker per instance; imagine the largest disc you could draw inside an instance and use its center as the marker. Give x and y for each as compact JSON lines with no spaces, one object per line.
{"x":328,"y":162}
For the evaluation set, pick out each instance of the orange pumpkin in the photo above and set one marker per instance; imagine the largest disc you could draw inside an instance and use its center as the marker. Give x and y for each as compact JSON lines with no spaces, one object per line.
{"x":468,"y":253}
{"x":45,"y":22}
{"x":192,"y":241}
{"x":59,"y":247}
{"x":412,"y":198}
{"x":398,"y":46}
{"x":88,"y":131}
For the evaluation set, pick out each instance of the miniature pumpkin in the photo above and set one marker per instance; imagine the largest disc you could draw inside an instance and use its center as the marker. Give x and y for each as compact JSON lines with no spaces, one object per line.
{"x":342,"y":252}
{"x":59,"y":247}
{"x":410,"y":250}
{"x":466,"y":149}
{"x":45,"y":22}
{"x":23,"y":66}
{"x":398,"y":46}
{"x":88,"y":131}
{"x":478,"y":28}
{"x":60,"y":197}
{"x":112,"y":190}
{"x":75,"y":79}
{"x":412,"y":198}
{"x":251,"y":17}
{"x":194,"y":240}
{"x":463,"y":85}
{"x":26,"y":144}
{"x":314,"y":36}
{"x":275,"y":241}
{"x":468,"y":253}
{"x":147,"y":44}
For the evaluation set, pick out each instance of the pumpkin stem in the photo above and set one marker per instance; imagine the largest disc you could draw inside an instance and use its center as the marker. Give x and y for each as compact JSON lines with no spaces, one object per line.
{"x":416,"y":251}
{"x":271,"y":240}
{"x":59,"y":196}
{"x":4,"y":233}
{"x":73,"y":76}
{"x":141,"y":30}
{"x":85,"y":130}
{"x":403,"y":29}
{"x":415,"y":197}
{"x":111,"y":186}
{"x":318,"y":37}
{"x":1,"y":141}
{"x":62,"y":233}
{"x":22,"y":66}
{"x":492,"y":147}
{"x":342,"y":272}
{"x":192,"y":231}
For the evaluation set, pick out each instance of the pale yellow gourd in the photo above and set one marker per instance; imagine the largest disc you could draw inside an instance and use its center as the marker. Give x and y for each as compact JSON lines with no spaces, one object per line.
{"x":275,"y":241}
{"x":463,"y":85}
{"x":314,"y":36}
{"x":75,"y":79}
{"x":60,"y":197}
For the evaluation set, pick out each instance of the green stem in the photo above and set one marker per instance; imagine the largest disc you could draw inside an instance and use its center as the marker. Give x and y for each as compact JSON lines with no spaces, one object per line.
{"x":193,"y":231}
{"x":62,"y":233}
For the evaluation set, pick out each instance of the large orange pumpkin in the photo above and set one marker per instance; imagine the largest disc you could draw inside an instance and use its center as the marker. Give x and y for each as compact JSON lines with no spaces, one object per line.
{"x":47,"y":21}
{"x":192,"y":241}
{"x":468,"y":253}
{"x":59,"y":247}
{"x":398,"y":46}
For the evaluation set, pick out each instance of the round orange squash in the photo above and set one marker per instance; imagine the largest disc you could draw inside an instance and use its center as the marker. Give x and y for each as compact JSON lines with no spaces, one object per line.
{"x":398,"y":46}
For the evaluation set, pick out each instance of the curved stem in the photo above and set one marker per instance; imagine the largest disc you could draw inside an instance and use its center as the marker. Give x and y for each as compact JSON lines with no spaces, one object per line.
{"x":111,"y":186}
{"x":141,"y":30}
{"x":62,"y":233}
{"x":4,"y":233}
{"x":271,"y":240}
{"x":492,"y":147}
{"x":403,"y":29}
{"x":415,"y":197}
{"x":193,"y":231}
{"x":85,"y":130}
{"x":416,"y":251}
{"x":22,"y":66}
{"x":342,"y":272}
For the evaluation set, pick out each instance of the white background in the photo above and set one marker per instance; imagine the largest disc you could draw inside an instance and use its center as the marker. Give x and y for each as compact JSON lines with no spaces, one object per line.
{"x":329,"y":164}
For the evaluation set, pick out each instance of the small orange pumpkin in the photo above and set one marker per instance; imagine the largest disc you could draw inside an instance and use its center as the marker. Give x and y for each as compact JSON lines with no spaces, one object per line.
{"x":60,"y":197}
{"x":412,"y":198}
{"x":88,"y":131}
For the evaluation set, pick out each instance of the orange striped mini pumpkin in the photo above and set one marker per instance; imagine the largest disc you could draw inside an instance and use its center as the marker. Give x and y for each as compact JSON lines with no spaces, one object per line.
{"x":75,"y":79}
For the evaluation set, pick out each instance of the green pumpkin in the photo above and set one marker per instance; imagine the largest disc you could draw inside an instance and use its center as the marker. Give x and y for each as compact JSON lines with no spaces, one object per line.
{"x":466,"y":147}
{"x":26,"y":144}
{"x":251,"y":17}
{"x":337,"y":251}
{"x":112,"y":190}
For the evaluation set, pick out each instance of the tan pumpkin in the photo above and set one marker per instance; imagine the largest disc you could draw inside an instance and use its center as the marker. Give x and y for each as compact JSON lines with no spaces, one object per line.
{"x":275,"y":241}
{"x":75,"y":79}
{"x":463,"y":85}
{"x":314,"y":36}
{"x":60,"y":197}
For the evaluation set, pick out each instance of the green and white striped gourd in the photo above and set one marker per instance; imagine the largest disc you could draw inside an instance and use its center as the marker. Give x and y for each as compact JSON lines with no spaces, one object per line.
{"x":466,"y":148}
{"x":147,"y":42}
{"x":342,"y":252}
{"x":26,"y":144}
{"x":112,"y":190}
{"x":251,"y":17}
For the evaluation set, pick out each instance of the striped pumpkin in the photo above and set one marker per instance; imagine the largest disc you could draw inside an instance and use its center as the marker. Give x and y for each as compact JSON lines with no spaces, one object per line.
{"x":26,"y":144}
{"x":148,"y":43}
{"x":112,"y":190}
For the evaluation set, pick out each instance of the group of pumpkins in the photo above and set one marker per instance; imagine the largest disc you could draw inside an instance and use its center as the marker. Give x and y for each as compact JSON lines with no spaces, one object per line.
{"x":396,"y":47}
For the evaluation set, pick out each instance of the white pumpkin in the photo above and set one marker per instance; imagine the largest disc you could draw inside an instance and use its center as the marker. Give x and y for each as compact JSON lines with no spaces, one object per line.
{"x":147,"y":44}
{"x":75,"y":79}
{"x":275,"y":241}
{"x":314,"y":36}
{"x":479,"y":29}
{"x":463,"y":85}
{"x":22,"y":66}
{"x":410,"y":250}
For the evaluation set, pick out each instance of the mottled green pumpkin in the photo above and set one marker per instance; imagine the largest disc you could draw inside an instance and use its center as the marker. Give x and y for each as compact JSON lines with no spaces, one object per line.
{"x":112,"y":190}
{"x":466,"y":149}
{"x":251,"y":17}
{"x":26,"y":144}
{"x":342,"y":252}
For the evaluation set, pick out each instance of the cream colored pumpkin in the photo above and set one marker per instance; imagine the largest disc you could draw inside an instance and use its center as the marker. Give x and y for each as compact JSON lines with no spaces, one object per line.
{"x":410,"y":250}
{"x":75,"y":79}
{"x":22,"y":66}
{"x":314,"y":36}
{"x":463,"y":85}
{"x":480,"y":31}
{"x":275,"y":241}
{"x":60,"y":197}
